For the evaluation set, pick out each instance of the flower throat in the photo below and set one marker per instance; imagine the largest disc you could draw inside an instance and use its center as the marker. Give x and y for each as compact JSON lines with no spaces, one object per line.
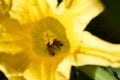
{"x":49,"y":38}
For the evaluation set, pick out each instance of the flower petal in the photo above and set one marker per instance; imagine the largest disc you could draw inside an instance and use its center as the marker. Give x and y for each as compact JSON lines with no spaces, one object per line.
{"x":40,"y":70}
{"x":13,"y":45}
{"x":52,"y":3}
{"x":44,"y":8}
{"x":80,"y":59}
{"x":11,"y":36}
{"x":55,"y":8}
{"x":96,"y":51}
{"x":14,"y":64}
{"x":84,"y":9}
{"x":28,"y":11}
{"x":68,"y":3}
{"x":63,"y":70}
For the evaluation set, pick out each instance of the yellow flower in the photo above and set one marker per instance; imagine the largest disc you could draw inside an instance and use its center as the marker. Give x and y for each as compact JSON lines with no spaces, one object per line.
{"x":41,"y":39}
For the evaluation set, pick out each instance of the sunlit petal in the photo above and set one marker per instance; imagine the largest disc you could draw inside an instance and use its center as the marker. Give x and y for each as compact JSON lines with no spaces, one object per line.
{"x":83,"y":8}
{"x":98,"y":51}
{"x":28,"y":11}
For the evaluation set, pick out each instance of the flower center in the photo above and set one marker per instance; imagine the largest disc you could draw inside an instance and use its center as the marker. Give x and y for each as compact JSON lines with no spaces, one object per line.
{"x":49,"y":38}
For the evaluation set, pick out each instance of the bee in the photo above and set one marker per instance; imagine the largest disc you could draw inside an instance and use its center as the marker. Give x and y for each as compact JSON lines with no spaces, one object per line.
{"x":56,"y":45}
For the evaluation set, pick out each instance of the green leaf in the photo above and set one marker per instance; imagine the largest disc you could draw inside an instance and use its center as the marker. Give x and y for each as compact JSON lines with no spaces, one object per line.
{"x":113,"y":71}
{"x":77,"y":74}
{"x":97,"y":73}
